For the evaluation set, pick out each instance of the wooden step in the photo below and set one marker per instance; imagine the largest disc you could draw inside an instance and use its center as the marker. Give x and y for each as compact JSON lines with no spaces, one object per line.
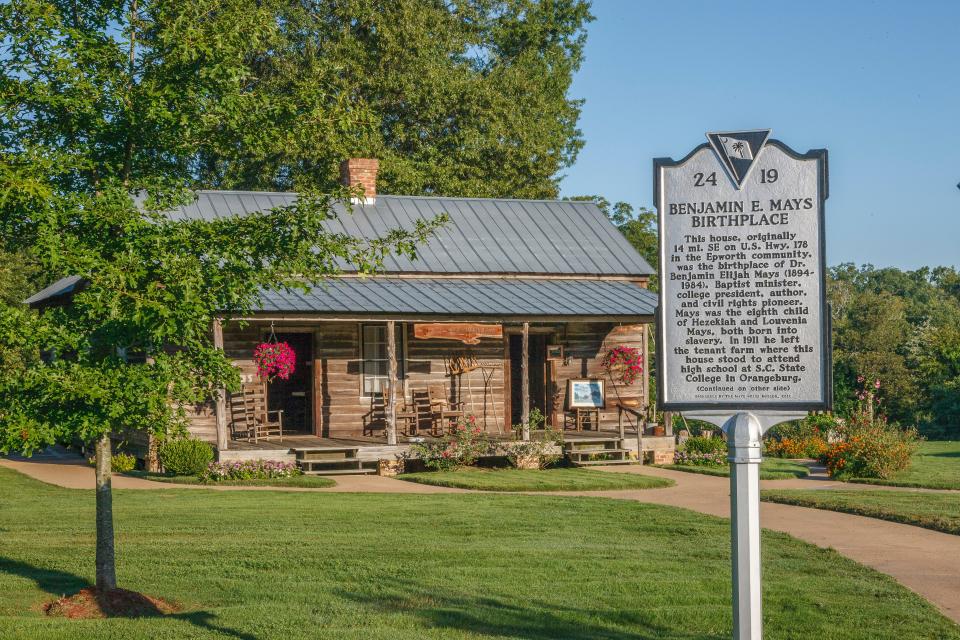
{"x":616,"y":447}
{"x":330,"y":464}
{"x":587,"y":463}
{"x":598,"y":452}
{"x":606,"y":443}
{"x":324,"y":454}
{"x":339,"y":472}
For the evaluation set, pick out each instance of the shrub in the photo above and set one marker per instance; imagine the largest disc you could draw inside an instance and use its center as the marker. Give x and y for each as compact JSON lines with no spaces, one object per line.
{"x":536,"y":420}
{"x":461,"y":448}
{"x":870,"y":448}
{"x":119,"y":462}
{"x":702,"y":451}
{"x":185,"y":456}
{"x":250,"y":470}
{"x":807,"y":438}
{"x":538,"y":453}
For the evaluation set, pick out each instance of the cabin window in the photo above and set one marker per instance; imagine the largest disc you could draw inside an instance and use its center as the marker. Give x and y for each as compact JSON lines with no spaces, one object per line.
{"x":373,"y":353}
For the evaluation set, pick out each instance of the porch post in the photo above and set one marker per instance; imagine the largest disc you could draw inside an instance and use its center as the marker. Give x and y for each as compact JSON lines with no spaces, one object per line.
{"x":221,"y":407}
{"x":645,"y":351}
{"x":525,"y":383}
{"x":391,"y":414}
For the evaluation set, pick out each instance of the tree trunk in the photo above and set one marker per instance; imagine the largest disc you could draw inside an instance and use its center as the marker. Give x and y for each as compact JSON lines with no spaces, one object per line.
{"x":106,"y":560}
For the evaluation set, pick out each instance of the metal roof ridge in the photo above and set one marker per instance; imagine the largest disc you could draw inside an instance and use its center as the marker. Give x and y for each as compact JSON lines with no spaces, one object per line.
{"x":404,"y":196}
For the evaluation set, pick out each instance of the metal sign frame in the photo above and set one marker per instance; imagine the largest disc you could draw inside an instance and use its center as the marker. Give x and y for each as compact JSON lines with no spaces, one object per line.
{"x":826,"y":356}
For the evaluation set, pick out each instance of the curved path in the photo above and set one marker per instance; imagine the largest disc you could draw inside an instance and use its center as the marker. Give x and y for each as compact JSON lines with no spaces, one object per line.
{"x":928,"y":562}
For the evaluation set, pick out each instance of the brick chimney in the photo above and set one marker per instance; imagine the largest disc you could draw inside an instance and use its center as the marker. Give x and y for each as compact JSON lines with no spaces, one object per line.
{"x":361,"y":172}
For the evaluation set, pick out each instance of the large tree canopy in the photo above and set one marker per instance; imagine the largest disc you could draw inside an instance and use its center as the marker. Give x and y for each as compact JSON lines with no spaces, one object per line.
{"x":466,"y":98}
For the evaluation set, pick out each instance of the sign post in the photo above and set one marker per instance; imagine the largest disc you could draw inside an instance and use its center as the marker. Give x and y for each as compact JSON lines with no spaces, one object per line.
{"x":743,"y":331}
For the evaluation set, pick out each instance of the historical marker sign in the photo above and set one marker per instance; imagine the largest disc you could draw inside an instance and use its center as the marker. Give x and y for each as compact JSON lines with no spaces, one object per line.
{"x":743,"y":321}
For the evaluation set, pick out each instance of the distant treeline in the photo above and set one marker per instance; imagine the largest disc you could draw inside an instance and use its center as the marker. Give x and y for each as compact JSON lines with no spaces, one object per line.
{"x":902,"y":328}
{"x":899,"y":327}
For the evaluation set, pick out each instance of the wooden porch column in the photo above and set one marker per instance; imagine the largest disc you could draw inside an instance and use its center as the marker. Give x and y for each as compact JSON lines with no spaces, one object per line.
{"x":391,"y":413}
{"x":221,"y":409}
{"x":525,"y":383}
{"x":645,"y":351}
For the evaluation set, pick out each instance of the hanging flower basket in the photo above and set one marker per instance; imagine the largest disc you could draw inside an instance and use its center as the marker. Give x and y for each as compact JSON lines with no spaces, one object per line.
{"x":623,"y":364}
{"x":274,"y":360}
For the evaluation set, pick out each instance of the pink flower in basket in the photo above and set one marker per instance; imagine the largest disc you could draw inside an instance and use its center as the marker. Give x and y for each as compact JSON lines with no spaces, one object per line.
{"x":274,"y":360}
{"x":624,"y":364}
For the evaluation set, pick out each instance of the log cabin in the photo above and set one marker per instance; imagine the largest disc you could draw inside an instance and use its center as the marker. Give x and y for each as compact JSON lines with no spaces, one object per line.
{"x":505,"y":310}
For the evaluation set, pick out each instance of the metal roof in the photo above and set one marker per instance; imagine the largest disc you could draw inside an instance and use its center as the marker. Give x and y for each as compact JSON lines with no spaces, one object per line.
{"x":483,"y":236}
{"x":466,"y":297}
{"x":61,"y":287}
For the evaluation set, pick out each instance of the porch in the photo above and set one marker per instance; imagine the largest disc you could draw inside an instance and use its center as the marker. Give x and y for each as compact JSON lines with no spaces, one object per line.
{"x":499,"y":350}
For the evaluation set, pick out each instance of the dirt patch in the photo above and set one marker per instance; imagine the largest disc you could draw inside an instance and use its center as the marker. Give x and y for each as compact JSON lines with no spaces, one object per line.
{"x":113,"y":603}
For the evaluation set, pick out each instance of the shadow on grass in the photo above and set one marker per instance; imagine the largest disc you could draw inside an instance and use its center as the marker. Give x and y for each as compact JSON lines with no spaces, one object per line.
{"x":500,"y":617}
{"x":58,"y":583}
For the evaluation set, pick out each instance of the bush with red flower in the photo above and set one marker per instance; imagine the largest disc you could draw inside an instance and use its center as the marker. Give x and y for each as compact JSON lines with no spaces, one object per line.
{"x":274,"y":360}
{"x":868,"y":446}
{"x":466,"y":442}
{"x":623,"y":364}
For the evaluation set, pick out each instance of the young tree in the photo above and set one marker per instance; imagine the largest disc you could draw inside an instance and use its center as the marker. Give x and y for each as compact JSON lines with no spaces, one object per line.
{"x":99,"y":136}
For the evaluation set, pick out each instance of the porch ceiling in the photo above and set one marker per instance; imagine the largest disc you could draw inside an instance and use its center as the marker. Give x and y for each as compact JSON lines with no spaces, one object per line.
{"x":492,"y":297}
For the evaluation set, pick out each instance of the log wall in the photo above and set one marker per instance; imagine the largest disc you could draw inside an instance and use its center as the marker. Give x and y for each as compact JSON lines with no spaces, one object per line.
{"x":340,"y":408}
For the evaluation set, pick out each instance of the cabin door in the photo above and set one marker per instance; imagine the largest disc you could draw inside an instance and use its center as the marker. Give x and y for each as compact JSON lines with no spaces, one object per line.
{"x":538,"y":376}
{"x":295,"y":395}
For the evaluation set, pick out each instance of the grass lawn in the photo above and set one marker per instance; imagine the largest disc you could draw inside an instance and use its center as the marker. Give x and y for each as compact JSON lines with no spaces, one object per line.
{"x":770,"y":469}
{"x":316,"y":482}
{"x":261,"y":565}
{"x":936,"y":465}
{"x":563,"y":479}
{"x":940,"y":511}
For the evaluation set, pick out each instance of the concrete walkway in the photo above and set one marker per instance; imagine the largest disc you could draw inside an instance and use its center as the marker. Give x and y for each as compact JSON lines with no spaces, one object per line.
{"x":71,"y":472}
{"x":928,"y":562}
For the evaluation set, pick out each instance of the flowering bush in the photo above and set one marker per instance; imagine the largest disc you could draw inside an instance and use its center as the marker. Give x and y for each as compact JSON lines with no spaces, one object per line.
{"x":702,"y":451}
{"x":623,"y":364}
{"x":460,"y":448}
{"x":870,"y":448}
{"x":250,"y":470}
{"x":274,"y":360}
{"x":813,"y":447}
{"x":807,"y":438}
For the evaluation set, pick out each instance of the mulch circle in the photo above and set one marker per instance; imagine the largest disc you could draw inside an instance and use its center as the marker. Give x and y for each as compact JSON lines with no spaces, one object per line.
{"x":113,"y":603}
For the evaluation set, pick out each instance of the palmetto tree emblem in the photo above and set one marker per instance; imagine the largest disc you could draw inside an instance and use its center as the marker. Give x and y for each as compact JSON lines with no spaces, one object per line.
{"x":737,"y":151}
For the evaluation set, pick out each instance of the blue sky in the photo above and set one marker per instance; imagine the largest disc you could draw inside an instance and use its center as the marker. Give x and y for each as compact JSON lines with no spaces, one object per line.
{"x":876,"y":83}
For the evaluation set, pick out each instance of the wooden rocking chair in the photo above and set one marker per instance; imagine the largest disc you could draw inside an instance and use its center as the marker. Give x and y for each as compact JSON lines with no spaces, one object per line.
{"x":447,"y":411}
{"x":427,"y":418}
{"x":250,"y":417}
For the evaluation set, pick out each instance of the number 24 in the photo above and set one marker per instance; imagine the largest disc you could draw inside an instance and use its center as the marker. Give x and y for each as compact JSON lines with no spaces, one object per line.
{"x":699,"y":180}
